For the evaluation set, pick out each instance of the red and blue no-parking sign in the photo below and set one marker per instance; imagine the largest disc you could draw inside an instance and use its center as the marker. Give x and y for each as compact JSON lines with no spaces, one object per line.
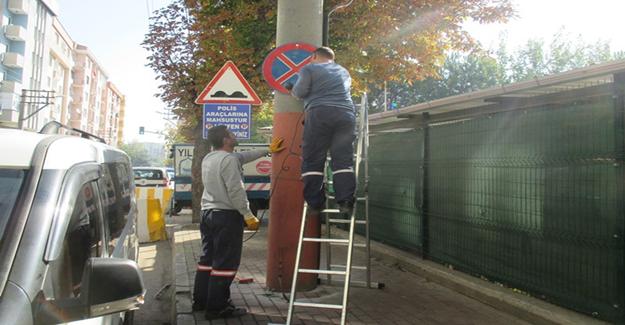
{"x":282,"y":64}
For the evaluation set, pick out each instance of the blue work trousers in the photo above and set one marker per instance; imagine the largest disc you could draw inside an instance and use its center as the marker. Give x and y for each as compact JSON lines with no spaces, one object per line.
{"x":328,"y":128}
{"x":222,"y":243}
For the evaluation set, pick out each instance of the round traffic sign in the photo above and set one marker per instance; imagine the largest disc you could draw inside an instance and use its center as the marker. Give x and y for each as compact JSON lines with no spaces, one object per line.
{"x":283,"y":63}
{"x":263,"y":167}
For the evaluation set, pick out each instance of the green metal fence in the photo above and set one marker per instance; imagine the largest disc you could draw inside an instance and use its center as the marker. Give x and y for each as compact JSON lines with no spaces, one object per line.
{"x":395,"y":195}
{"x":532,"y":198}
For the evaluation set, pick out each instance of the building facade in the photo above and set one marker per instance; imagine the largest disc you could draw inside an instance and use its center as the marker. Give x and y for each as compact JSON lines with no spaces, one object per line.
{"x":61,"y":63}
{"x":89,"y":82}
{"x":113,"y":100}
{"x":45,"y":76}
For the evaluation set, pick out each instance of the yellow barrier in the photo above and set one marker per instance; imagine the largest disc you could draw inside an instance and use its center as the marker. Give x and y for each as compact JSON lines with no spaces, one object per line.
{"x":152,"y":204}
{"x":163,"y":194}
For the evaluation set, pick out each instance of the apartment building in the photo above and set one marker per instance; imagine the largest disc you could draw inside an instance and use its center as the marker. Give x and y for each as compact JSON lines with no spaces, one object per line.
{"x":45,"y":76}
{"x":88,"y":87}
{"x":113,"y":101}
{"x":23,"y":50}
{"x":61,"y":63}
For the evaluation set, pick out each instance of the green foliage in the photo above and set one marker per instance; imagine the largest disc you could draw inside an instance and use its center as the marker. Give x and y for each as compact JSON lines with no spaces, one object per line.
{"x":139,"y":156}
{"x":464,"y":72}
{"x":537,"y":59}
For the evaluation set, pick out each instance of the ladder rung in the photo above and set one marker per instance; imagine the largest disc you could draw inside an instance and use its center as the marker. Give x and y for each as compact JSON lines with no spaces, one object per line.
{"x":329,"y":158}
{"x":330,"y":272}
{"x":326,"y":240}
{"x":358,"y":222}
{"x":315,"y":305}
{"x":355,"y":267}
{"x":345,"y":244}
{"x":332,"y":197}
{"x":330,"y":211}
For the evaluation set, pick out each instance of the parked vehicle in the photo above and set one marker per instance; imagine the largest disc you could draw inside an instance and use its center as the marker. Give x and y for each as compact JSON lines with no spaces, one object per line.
{"x":67,"y":231}
{"x":171,"y":175}
{"x":152,"y":177}
{"x":183,"y":158}
{"x":256,"y":176}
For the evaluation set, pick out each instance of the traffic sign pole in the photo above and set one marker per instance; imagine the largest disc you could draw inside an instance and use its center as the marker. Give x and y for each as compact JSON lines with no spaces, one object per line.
{"x":299,"y":21}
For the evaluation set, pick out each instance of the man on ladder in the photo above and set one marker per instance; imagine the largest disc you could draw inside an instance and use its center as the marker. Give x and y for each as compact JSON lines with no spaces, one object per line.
{"x":325,"y":87}
{"x":330,"y":124}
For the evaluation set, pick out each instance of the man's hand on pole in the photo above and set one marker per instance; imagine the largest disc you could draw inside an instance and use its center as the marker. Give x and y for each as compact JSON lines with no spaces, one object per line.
{"x":276,"y":145}
{"x":251,"y":221}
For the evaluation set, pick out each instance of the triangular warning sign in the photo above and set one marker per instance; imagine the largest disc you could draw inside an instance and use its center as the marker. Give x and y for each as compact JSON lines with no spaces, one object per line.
{"x":228,"y":86}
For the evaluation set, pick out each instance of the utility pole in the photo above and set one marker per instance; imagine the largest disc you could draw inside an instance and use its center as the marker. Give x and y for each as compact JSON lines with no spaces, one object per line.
{"x":298,"y":21}
{"x":33,"y":97}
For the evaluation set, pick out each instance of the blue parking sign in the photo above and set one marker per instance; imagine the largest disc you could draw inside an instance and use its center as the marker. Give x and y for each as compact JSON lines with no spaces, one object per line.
{"x":236,"y":117}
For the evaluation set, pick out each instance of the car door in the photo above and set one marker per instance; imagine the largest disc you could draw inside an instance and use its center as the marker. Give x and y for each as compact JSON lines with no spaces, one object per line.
{"x":85,"y":238}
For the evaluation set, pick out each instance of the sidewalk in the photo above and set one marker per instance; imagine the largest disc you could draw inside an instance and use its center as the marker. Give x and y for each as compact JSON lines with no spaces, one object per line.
{"x":408,"y":298}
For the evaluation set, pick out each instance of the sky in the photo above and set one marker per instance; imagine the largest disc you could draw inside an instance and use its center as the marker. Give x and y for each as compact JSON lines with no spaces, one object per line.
{"x":114,"y":29}
{"x":593,"y":20}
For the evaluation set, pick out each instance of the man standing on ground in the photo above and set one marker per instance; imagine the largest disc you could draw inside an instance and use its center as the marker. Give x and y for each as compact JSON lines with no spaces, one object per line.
{"x":329,"y":124}
{"x":225,"y":210}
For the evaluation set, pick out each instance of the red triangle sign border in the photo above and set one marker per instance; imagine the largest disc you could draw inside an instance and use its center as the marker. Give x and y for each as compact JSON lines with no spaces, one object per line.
{"x":255,"y":100}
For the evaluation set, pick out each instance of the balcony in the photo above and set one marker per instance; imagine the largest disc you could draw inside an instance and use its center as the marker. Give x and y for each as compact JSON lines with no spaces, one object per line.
{"x":7,"y":86}
{"x":9,"y":102}
{"x":15,"y":33}
{"x":18,"y":7}
{"x":13,"y":60}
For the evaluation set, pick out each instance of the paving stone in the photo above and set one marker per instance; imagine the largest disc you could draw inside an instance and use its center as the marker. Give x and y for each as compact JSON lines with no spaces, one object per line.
{"x":407,"y":298}
{"x":183,"y":304}
{"x":185,"y":319}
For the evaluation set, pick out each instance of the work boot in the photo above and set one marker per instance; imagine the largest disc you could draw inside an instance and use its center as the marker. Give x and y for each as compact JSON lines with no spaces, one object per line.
{"x":346,"y":207}
{"x":228,"y":312}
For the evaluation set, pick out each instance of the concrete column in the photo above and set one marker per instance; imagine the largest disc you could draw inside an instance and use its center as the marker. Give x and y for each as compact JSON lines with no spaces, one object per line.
{"x":298,"y":21}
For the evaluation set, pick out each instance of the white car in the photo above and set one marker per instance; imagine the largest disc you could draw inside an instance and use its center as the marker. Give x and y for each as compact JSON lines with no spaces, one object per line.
{"x":152,"y":177}
{"x":68,"y":241}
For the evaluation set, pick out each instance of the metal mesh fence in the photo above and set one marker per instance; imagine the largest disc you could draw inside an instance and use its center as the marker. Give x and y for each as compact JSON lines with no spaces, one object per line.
{"x":395,"y":188}
{"x":527,"y":198}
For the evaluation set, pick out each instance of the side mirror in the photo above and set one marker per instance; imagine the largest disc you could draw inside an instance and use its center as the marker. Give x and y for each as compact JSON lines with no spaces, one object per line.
{"x":109,"y":285}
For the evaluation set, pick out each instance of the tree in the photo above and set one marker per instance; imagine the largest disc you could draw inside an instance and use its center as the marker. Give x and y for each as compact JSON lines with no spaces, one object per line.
{"x":464,"y":72}
{"x":461,"y":73}
{"x":565,"y":52}
{"x":138,"y":154}
{"x":189,"y":40}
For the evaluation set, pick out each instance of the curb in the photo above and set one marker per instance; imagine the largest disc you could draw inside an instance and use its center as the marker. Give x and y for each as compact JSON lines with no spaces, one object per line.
{"x":181,"y":297}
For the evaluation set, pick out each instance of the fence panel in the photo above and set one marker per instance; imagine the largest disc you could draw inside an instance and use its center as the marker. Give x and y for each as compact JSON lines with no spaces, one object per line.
{"x":395,"y":188}
{"x":529,"y":199}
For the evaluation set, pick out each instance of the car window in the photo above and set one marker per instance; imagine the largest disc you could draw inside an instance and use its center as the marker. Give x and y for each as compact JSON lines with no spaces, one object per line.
{"x":115,"y":193}
{"x":83,"y":239}
{"x":148,"y":174}
{"x":10,"y":183}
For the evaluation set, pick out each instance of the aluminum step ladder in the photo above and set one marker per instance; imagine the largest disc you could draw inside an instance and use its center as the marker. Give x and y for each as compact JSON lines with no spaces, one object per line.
{"x":331,"y":215}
